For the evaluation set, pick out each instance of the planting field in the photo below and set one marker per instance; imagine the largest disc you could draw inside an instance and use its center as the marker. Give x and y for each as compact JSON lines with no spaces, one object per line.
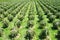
{"x":29,"y":19}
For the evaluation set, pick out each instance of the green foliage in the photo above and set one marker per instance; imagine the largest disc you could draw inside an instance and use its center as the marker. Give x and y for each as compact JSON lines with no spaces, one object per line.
{"x":18,"y":23}
{"x":1,"y":32}
{"x":44,"y":34}
{"x":13,"y":33}
{"x":10,"y":18}
{"x":5,"y":24}
{"x":29,"y":34}
{"x":27,"y":20}
{"x":56,"y":24}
